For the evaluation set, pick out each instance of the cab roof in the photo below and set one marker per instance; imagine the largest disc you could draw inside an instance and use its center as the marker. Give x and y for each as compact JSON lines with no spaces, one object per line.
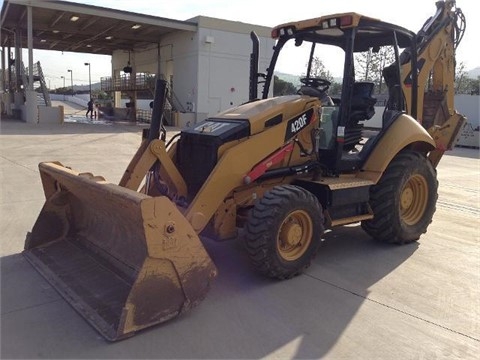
{"x":331,"y":29}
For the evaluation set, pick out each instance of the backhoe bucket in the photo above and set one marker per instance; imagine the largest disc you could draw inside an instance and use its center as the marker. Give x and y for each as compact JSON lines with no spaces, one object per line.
{"x":123,"y":260}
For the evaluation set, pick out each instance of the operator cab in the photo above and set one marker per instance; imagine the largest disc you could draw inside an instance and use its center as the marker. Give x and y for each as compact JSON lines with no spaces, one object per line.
{"x":339,"y":60}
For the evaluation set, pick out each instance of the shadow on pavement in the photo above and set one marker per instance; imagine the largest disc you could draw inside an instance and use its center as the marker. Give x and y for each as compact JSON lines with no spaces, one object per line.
{"x":243,"y":316}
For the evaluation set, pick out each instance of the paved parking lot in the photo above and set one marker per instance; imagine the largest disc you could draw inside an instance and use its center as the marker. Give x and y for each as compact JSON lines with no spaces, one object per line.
{"x":359,"y":300}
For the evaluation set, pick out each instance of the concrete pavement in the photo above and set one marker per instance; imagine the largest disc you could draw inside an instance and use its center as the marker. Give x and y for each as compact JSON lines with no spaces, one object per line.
{"x":359,"y":299}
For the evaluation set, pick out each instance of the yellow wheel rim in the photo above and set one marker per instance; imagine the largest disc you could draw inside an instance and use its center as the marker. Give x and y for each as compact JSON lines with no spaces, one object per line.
{"x":413,"y":199}
{"x":295,"y":235}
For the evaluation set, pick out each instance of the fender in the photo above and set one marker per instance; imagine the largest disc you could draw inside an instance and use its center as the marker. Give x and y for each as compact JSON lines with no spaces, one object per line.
{"x":405,"y":131}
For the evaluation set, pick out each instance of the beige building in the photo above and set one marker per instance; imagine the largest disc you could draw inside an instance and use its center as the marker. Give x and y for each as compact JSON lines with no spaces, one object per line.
{"x":205,"y":60}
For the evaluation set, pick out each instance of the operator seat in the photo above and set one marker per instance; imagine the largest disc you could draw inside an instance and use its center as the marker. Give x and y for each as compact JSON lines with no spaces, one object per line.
{"x":362,"y":105}
{"x":361,"y":109}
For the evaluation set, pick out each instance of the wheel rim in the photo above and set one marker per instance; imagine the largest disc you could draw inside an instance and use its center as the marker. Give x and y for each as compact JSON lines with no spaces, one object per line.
{"x":413,"y":199}
{"x":295,"y":235}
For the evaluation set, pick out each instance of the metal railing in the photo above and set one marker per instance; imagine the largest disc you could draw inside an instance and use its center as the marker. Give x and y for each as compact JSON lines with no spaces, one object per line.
{"x":145,"y":116}
{"x":128,"y":83}
{"x":143,"y":81}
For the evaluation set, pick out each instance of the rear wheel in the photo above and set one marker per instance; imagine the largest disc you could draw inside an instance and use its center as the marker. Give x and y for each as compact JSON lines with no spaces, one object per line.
{"x":404,"y":200}
{"x":283,"y":231}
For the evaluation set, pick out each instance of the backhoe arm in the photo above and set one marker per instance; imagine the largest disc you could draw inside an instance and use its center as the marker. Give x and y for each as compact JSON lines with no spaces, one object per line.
{"x":436,"y":44}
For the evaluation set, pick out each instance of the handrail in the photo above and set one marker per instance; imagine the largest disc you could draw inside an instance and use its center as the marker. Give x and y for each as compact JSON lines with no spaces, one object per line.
{"x":126,"y":82}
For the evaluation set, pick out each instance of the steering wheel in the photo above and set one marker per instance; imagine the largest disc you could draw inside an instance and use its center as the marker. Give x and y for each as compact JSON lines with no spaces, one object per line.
{"x":317,"y":83}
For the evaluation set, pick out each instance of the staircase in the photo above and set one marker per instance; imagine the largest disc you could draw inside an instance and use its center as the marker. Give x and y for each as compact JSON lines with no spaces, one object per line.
{"x":43,"y":98}
{"x":145,"y":83}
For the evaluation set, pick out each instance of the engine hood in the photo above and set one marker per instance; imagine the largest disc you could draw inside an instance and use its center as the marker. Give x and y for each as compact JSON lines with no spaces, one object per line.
{"x":265,"y":113}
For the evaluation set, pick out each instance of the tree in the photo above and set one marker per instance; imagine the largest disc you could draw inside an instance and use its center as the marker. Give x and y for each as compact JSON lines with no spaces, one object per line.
{"x":473,"y":86}
{"x":460,"y":78}
{"x":318,"y":70}
{"x":465,"y":84}
{"x":62,"y":90}
{"x":281,"y":87}
{"x":369,"y":65}
{"x":363,"y":65}
{"x":335,"y":89}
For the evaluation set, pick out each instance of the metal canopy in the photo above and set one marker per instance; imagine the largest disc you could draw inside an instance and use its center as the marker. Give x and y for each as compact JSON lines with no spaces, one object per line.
{"x":96,"y":30}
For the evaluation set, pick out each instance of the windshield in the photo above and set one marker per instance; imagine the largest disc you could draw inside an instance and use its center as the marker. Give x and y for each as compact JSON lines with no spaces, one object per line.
{"x":293,"y":64}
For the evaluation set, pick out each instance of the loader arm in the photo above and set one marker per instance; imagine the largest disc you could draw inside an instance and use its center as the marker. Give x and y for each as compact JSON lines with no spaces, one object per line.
{"x":151,"y":150}
{"x":146,"y":156}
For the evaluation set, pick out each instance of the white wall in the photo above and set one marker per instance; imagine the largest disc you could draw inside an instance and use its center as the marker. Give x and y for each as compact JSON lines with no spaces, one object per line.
{"x":179,"y":59}
{"x":469,"y":105}
{"x":224,"y":68}
{"x":207,"y":76}
{"x":50,"y":114}
{"x":79,"y":99}
{"x":144,"y":60}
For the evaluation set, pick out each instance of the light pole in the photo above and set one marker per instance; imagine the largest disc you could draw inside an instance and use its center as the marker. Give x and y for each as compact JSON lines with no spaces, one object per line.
{"x":71,"y":78}
{"x":89,"y":78}
{"x":63,"y":77}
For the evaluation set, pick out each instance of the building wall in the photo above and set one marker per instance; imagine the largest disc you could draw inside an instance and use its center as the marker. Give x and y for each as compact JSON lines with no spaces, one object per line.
{"x":209,"y":69}
{"x":469,"y":105}
{"x":224,"y":63}
{"x":179,"y":58}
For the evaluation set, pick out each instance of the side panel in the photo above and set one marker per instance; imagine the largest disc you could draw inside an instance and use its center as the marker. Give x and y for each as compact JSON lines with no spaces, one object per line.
{"x":236,"y":162}
{"x":402,"y":133}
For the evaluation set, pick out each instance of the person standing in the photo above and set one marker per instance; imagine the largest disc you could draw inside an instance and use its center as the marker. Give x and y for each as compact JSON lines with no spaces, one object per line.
{"x":90,"y":109}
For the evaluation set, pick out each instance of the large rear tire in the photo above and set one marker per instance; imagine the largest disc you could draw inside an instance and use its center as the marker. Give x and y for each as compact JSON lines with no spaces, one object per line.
{"x":404,"y":200}
{"x":283,"y":231}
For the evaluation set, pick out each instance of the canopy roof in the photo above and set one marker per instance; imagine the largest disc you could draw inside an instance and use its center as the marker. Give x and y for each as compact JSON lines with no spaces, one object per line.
{"x":68,"y":26}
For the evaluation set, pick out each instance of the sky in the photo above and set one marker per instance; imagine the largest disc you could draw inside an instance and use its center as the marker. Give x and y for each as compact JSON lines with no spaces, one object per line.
{"x":410,"y":14}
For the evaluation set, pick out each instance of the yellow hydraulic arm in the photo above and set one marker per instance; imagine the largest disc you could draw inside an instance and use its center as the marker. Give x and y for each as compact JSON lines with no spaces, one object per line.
{"x":436,"y":44}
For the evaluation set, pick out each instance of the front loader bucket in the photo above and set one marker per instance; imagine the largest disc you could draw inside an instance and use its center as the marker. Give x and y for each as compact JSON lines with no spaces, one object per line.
{"x":123,"y":260}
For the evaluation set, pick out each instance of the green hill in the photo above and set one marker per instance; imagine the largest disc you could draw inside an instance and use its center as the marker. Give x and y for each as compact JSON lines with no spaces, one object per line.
{"x":294,"y":79}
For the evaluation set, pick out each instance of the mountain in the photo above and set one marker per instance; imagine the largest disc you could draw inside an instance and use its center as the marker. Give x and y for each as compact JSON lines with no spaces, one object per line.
{"x":95,"y":86}
{"x":294,"y":79}
{"x":474,"y":73}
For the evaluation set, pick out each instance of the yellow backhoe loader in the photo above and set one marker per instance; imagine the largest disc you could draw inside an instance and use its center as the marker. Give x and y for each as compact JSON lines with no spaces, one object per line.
{"x":283,"y":168}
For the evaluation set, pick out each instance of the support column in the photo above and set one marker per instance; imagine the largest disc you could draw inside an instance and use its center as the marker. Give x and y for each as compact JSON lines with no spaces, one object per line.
{"x":31,"y":106}
{"x":18,"y":97}
{"x":4,"y":71}
{"x":4,"y":95}
{"x":117,"y":95}
{"x":158,"y":60}
{"x":18,"y":57}
{"x":9,"y":99}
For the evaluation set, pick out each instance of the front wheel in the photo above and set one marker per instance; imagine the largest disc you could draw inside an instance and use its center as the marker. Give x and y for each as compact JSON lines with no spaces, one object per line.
{"x":404,"y":200}
{"x":283,"y":231}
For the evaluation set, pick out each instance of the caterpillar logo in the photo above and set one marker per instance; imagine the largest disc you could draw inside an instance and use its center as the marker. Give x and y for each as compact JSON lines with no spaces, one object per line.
{"x":298,"y":123}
